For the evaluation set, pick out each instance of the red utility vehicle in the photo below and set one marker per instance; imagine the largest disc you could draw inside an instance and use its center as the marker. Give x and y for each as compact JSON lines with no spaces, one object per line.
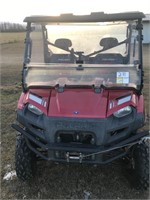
{"x":82,"y":99}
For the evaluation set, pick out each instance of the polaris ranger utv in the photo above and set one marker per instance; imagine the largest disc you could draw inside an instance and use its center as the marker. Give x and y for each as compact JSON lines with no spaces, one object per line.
{"x":82,"y":99}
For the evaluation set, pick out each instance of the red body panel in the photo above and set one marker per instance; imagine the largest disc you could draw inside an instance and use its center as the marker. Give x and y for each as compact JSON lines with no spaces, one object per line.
{"x":81,"y":103}
{"x":140,"y":104}
{"x":78,"y":103}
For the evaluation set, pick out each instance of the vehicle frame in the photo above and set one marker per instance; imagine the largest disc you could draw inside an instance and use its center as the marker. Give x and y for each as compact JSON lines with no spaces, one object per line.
{"x":99,"y":138}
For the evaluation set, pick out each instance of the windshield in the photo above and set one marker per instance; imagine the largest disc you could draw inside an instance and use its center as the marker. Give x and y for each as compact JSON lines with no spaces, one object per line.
{"x":87,"y":38}
{"x":83,"y":54}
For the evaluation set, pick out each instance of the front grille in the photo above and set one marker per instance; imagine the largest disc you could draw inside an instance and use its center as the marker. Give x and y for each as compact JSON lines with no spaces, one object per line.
{"x":76,"y":137}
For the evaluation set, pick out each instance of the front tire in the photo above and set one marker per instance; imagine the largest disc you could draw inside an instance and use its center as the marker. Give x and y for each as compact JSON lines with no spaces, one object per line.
{"x":25,"y":160}
{"x":139,"y":164}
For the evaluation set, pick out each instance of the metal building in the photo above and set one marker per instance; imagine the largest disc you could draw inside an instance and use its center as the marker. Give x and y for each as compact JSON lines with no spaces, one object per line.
{"x":146,"y":29}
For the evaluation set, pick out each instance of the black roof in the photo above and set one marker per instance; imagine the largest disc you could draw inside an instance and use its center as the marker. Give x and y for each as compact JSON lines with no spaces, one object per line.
{"x":93,"y":17}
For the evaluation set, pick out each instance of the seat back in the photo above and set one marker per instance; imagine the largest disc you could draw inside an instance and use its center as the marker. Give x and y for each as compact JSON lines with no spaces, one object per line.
{"x":108,"y":42}
{"x":63,"y":43}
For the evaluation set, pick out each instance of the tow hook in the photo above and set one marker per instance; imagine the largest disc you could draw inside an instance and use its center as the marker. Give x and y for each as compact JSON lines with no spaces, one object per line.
{"x":74,"y":156}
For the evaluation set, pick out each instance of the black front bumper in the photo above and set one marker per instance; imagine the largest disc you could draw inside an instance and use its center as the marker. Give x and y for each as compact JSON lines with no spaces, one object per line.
{"x":80,"y":153}
{"x":99,"y":140}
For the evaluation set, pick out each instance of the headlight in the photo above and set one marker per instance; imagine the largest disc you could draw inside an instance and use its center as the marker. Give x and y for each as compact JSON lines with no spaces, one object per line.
{"x":123,"y":112}
{"x":34,"y":109}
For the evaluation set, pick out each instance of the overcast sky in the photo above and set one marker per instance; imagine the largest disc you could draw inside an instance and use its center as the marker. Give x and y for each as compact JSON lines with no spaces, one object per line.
{"x":17,"y":10}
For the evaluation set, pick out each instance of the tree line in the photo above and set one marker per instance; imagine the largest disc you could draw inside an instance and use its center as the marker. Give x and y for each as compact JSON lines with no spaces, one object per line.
{"x":11,"y":27}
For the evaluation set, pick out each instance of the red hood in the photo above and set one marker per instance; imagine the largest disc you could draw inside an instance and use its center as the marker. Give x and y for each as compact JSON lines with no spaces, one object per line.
{"x":77,"y":103}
